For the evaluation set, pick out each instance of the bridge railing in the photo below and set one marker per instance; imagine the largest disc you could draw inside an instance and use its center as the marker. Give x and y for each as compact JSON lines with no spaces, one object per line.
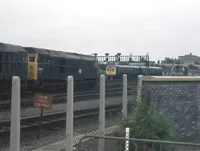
{"x":123,"y":58}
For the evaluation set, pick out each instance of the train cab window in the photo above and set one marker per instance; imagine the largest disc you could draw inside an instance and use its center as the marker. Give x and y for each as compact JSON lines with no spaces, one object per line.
{"x":42,"y":59}
{"x":113,"y":69}
{"x":32,"y":57}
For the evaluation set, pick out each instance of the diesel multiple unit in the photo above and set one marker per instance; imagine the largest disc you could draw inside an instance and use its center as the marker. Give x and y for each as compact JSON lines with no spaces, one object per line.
{"x":42,"y":69}
{"x":117,"y":71}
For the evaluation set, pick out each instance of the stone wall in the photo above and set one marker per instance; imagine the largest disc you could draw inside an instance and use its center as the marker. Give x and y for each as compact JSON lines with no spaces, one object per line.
{"x":177,"y":98}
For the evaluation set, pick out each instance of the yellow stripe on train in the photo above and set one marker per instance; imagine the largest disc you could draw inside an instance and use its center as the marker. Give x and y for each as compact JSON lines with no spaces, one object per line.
{"x":33,"y":68}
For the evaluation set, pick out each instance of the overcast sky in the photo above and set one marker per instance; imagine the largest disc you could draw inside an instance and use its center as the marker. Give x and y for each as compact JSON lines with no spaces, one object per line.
{"x":158,"y":27}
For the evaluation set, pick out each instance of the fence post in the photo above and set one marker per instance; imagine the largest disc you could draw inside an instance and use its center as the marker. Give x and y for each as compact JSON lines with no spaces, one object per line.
{"x":127,"y":141}
{"x":70,"y":113}
{"x":124,"y":103}
{"x":102,"y":112}
{"x":15,"y":114}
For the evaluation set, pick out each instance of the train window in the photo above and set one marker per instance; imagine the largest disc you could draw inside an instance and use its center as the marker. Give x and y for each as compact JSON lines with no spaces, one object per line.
{"x":113,"y":69}
{"x":108,"y":69}
{"x":31,"y":57}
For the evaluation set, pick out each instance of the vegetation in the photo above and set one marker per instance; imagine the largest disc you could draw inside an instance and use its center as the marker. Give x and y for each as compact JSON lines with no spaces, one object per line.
{"x":149,"y":124}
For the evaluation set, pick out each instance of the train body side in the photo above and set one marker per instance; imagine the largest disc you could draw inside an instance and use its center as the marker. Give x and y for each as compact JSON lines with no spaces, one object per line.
{"x":117,"y":71}
{"x":54,"y":67}
{"x":13,"y":62}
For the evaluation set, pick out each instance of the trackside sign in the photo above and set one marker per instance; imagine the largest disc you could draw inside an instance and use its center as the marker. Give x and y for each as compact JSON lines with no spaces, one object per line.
{"x":43,"y":101}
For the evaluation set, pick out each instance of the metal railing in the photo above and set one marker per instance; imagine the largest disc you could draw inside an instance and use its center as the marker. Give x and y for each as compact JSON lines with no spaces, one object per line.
{"x":90,"y":143}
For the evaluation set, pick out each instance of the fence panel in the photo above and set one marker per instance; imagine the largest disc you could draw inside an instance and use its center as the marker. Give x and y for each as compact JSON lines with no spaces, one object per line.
{"x":112,"y":106}
{"x":89,"y":143}
{"x":46,"y":128}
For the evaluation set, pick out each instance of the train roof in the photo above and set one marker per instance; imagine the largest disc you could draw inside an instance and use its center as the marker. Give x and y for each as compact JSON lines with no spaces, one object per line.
{"x":152,"y":67}
{"x":60,"y":54}
{"x":126,"y":66}
{"x":36,"y":50}
{"x":4,"y":47}
{"x":131,"y":66}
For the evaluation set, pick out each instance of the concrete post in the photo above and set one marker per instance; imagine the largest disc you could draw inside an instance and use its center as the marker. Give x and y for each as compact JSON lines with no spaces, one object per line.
{"x":70,"y":113}
{"x":102,"y":112}
{"x":15,"y":114}
{"x":124,"y":103}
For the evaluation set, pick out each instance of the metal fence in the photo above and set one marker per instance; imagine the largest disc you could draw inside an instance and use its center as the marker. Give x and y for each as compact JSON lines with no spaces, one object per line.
{"x":35,"y":128}
{"x":76,"y":116}
{"x":107,"y":143}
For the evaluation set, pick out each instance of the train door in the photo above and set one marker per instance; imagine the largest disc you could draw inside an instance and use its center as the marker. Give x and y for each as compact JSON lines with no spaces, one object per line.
{"x":44,"y":61}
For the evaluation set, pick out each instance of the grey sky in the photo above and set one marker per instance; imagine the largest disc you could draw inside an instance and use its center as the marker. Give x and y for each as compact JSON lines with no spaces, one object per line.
{"x":158,"y":27}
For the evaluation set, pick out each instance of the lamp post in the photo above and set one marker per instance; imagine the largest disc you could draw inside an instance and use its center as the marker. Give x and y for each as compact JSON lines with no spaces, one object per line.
{"x":107,"y":54}
{"x":147,"y":63}
{"x":118,"y":54}
{"x":130,"y":57}
{"x":95,"y":54}
{"x":177,"y":66}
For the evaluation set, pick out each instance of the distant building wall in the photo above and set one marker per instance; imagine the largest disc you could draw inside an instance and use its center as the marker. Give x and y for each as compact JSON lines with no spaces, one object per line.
{"x":190,"y":59}
{"x":178,"y":99}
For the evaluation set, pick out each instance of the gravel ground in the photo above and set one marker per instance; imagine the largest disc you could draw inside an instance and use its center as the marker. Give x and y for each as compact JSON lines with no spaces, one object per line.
{"x":29,"y":140}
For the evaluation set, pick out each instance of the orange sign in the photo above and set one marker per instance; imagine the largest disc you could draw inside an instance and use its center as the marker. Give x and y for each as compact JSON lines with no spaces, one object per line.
{"x":42,"y":100}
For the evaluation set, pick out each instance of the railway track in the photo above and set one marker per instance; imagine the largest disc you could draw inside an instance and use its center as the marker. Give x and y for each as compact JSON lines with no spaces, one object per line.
{"x":79,"y":96}
{"x":49,"y":119}
{"x":30,"y":115}
{"x":34,"y":113}
{"x":28,"y":93}
{"x":55,"y":131}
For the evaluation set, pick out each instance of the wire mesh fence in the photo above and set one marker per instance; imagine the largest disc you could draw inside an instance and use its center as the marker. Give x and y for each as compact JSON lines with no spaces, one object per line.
{"x":108,"y":143}
{"x":46,"y":128}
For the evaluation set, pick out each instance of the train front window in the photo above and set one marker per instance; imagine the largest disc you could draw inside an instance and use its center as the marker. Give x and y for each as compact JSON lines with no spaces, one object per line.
{"x":32,"y":57}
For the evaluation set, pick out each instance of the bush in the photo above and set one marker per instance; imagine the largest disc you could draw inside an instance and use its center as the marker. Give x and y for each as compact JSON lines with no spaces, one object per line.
{"x":149,"y":124}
